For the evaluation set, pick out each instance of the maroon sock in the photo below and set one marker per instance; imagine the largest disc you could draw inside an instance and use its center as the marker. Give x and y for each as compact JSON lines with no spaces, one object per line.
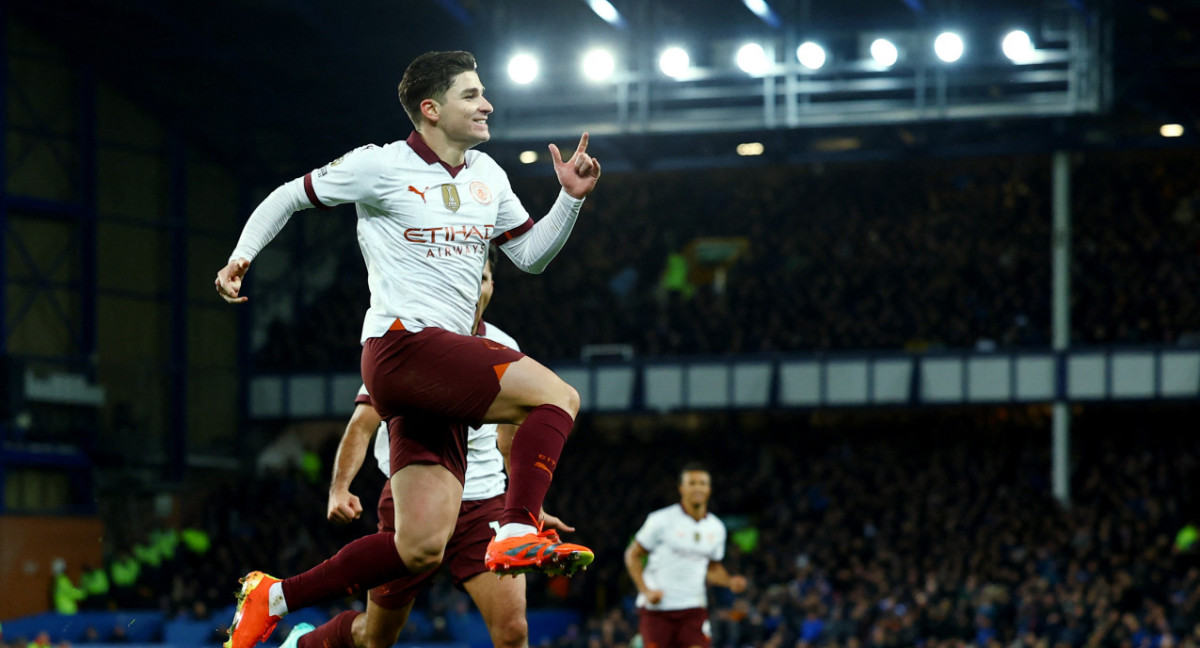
{"x":531,"y":462}
{"x":367,"y":562}
{"x":337,"y":632}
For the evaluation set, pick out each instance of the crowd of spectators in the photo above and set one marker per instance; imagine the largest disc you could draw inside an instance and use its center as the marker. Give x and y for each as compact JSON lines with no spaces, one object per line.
{"x":876,"y":530}
{"x":912,"y":530}
{"x":878,"y":255}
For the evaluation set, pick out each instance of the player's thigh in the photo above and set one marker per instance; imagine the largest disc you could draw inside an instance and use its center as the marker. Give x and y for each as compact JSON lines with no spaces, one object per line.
{"x":656,"y":629}
{"x":427,"y":498}
{"x":501,"y":601}
{"x":436,"y":372}
{"x":526,"y":384}
{"x":381,"y":627}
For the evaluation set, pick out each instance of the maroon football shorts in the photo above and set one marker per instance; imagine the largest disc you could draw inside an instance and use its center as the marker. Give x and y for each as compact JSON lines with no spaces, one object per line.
{"x":420,"y":438}
{"x":427,"y":385}
{"x":464,"y":552}
{"x":673,"y":628}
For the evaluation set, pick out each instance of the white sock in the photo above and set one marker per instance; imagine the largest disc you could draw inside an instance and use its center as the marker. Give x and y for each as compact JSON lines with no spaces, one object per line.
{"x":277,"y":605}
{"x":512,"y":530}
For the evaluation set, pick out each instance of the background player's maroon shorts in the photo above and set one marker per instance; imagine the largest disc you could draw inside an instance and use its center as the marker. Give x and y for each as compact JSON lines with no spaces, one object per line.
{"x":673,"y":628}
{"x":464,"y":552}
{"x":425,"y":438}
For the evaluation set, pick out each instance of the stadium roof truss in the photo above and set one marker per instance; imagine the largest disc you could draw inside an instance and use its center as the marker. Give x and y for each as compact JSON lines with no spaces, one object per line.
{"x":1070,"y":74}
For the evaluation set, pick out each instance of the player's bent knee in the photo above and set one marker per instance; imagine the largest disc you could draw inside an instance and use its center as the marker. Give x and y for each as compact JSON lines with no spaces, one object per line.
{"x":421,"y":562}
{"x":420,"y":557}
{"x":511,"y":632}
{"x":572,"y":407}
{"x":565,"y":396}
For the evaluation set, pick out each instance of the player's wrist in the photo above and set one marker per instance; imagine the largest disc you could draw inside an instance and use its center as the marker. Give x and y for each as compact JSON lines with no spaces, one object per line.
{"x":571,"y":200}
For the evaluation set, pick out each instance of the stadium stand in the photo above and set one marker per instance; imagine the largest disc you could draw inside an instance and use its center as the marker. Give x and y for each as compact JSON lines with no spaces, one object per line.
{"x":915,"y":254}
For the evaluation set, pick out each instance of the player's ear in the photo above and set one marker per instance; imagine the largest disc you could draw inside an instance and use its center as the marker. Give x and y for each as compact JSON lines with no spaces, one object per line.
{"x":430,"y":109}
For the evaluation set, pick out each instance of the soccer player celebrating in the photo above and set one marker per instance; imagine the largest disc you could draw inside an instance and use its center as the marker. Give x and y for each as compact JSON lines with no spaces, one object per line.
{"x":427,"y":209}
{"x":682,"y":545}
{"x":501,"y":601}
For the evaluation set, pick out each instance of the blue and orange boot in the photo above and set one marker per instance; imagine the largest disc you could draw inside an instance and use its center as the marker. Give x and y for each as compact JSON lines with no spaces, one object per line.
{"x":542,"y":551}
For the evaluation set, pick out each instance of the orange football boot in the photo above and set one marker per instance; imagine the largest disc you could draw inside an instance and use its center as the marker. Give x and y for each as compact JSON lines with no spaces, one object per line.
{"x":542,"y":552}
{"x":252,"y":622}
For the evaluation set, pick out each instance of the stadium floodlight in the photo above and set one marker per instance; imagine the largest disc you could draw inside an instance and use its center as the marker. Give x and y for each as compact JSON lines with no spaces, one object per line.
{"x":948,"y":46}
{"x":763,"y":10}
{"x":749,"y":149}
{"x":674,"y":62}
{"x":752,"y":59}
{"x":528,"y":157}
{"x":598,"y":65}
{"x":811,"y":55}
{"x":607,"y":12}
{"x":1171,"y":130}
{"x":1018,"y":47}
{"x":884,"y":52}
{"x":523,"y":69}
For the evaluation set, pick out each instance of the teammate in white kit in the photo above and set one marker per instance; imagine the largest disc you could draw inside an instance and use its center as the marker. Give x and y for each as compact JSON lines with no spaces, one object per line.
{"x":682,"y":546}
{"x":427,"y":209}
{"x":500,"y":601}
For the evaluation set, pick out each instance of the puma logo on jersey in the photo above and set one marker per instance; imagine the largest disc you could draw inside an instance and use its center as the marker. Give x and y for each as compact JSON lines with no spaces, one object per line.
{"x":419,"y":193}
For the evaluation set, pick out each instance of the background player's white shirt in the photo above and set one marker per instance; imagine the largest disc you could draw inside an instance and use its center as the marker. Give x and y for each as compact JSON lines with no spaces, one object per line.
{"x":485,"y":464}
{"x":423,"y":232}
{"x":680,"y":549}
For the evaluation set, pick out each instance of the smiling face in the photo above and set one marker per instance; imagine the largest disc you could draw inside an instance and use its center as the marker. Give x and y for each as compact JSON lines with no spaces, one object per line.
{"x":462,"y":112}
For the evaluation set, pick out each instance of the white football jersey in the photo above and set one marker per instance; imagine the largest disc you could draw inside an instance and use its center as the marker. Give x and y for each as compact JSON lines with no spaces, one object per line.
{"x":681,"y":548}
{"x":423,"y":229}
{"x":485,"y":465}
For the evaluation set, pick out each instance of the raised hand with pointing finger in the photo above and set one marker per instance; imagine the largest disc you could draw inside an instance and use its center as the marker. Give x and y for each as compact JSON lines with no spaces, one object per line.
{"x":578,"y":175}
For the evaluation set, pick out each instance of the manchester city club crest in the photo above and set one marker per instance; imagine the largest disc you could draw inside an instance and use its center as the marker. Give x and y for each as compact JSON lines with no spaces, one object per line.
{"x":450,"y":197}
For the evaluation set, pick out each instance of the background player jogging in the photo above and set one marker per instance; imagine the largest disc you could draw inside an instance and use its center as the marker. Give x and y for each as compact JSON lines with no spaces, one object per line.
{"x":682,"y":546}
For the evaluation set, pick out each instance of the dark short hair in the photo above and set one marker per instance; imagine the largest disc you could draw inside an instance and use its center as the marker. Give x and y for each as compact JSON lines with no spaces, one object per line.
{"x":692,"y":466}
{"x":429,"y":76}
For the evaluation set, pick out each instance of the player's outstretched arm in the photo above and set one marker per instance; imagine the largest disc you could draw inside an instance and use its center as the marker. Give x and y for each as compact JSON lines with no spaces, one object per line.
{"x":264,"y":223}
{"x":344,"y":506}
{"x":719,"y":576}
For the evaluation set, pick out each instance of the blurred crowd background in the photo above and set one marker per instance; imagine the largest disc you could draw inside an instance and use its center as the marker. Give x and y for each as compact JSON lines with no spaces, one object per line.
{"x":876,"y":529}
{"x":913,"y":254}
{"x":139,"y":135}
